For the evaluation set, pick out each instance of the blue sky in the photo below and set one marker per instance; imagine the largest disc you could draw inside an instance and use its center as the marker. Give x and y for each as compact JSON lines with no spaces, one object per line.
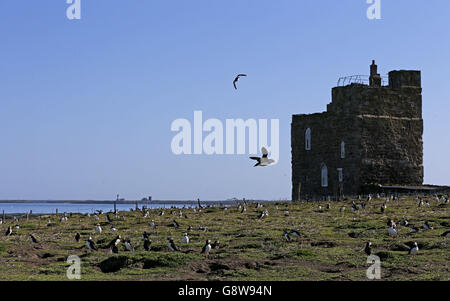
{"x":86,"y":105}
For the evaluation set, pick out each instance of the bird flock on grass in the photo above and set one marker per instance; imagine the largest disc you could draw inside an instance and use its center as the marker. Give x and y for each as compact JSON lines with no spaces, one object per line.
{"x":394,"y":229}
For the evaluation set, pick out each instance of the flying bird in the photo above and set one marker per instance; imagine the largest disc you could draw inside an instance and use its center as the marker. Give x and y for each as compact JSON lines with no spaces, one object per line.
{"x":264,"y":160}
{"x":236,"y":80}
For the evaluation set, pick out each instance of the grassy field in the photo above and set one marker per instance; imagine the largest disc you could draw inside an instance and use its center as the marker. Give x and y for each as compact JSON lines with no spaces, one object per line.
{"x":250,"y":248}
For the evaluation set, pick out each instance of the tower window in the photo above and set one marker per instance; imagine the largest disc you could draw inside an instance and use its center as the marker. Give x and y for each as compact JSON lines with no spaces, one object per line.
{"x":342,"y":150}
{"x":308,"y":139}
{"x":340,"y":175}
{"x":324,"y":173}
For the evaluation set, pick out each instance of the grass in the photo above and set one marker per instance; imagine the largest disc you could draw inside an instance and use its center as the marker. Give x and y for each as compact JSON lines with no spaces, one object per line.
{"x":250,"y":248}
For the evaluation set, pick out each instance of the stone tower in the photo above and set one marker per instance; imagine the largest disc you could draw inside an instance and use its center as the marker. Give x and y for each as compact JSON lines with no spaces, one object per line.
{"x":369,"y":135}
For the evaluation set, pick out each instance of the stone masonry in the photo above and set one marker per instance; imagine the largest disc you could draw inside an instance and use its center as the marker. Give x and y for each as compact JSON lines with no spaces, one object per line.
{"x":369,"y":135}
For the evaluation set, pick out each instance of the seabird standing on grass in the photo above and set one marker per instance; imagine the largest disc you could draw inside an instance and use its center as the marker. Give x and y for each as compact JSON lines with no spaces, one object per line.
{"x":201,"y":229}
{"x":446,"y":234}
{"x":90,"y":244}
{"x":286,"y":236}
{"x":113,"y":245}
{"x":264,"y":160}
{"x":77,"y":237}
{"x":392,"y":231}
{"x":9,"y":231}
{"x":152,"y":224}
{"x":216,"y":244}
{"x":147,"y":244}
{"x":368,"y":248}
{"x":328,"y":206}
{"x":33,"y":239}
{"x":414,"y":229}
{"x":185,"y":239}
{"x":286,"y":212}
{"x":414,"y":249}
{"x":236,"y":79}
{"x":172,"y":245}
{"x":98,"y":229}
{"x":206,"y":248}
{"x":175,"y":224}
{"x":108,"y":218}
{"x":342,"y":208}
{"x":383,"y":208}
{"x":427,"y":226}
{"x":145,"y":235}
{"x":128,"y":245}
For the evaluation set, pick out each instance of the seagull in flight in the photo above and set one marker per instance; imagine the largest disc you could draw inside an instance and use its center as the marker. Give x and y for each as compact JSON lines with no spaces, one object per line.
{"x":236,"y":79}
{"x":263,"y":161}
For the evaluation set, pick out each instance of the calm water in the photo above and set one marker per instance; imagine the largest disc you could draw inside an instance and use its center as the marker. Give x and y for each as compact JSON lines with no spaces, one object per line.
{"x":74,"y":208}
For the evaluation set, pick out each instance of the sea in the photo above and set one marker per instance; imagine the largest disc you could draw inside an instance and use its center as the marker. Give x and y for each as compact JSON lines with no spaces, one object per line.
{"x":49,"y":208}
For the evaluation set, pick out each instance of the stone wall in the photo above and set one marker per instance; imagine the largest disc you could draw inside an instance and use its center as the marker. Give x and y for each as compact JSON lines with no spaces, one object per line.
{"x":382,"y":129}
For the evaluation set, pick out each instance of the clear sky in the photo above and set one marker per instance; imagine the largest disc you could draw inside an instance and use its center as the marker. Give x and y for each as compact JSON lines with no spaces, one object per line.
{"x":86,"y":105}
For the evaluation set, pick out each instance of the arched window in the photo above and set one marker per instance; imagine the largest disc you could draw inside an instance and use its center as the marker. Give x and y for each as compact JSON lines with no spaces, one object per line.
{"x":324,"y":173}
{"x":308,"y":139}
{"x":342,"y":150}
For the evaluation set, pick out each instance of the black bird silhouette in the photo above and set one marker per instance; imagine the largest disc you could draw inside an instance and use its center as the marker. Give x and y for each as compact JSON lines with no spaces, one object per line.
{"x":147,"y":243}
{"x":9,"y":231}
{"x":77,"y":237}
{"x":236,"y":79}
{"x":368,"y":248}
{"x":33,"y":239}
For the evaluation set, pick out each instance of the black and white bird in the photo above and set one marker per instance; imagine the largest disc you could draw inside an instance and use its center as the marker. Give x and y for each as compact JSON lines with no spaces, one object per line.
{"x":328,"y":206}
{"x":414,"y":229}
{"x":264,"y":160}
{"x":152,"y":224}
{"x":216,"y":244}
{"x":201,"y":229}
{"x":446,"y":234}
{"x":405,"y":223}
{"x":244,"y":209}
{"x":295,"y":233}
{"x":206,"y":248}
{"x":77,"y":237}
{"x":427,"y":226}
{"x":175,"y":224}
{"x":420,"y":203}
{"x":98,"y":229}
{"x":112,"y":228}
{"x":90,"y":244}
{"x":392,"y":231}
{"x":414,"y":249}
{"x":287,"y":237}
{"x":342,"y":208}
{"x":391,"y":223}
{"x":185,"y":238}
{"x":128,"y":245}
{"x":33,"y":239}
{"x":383,"y":208}
{"x":172,"y":245}
{"x":113,"y":245}
{"x":108,"y":218}
{"x":286,"y":212}
{"x":368,"y":248}
{"x":9,"y":231}
{"x":145,"y":235}
{"x":147,"y":244}
{"x":236,"y":79}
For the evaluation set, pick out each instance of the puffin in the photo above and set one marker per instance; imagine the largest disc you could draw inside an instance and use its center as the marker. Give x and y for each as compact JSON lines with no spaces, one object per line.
{"x":9,"y":231}
{"x":108,"y":218}
{"x":446,"y":234}
{"x":185,"y":239}
{"x":286,"y":213}
{"x":90,"y":244}
{"x":128,"y":245}
{"x":33,"y":239}
{"x":175,"y":224}
{"x":172,"y":245}
{"x":287,"y":237}
{"x":147,"y":243}
{"x":206,"y":248}
{"x":392,"y":231}
{"x":414,"y":249}
{"x":98,"y":228}
{"x":77,"y":237}
{"x":152,"y":224}
{"x":414,"y":229}
{"x":427,"y":226}
{"x":216,"y":244}
{"x":328,"y":206}
{"x":145,"y":235}
{"x":368,"y":248}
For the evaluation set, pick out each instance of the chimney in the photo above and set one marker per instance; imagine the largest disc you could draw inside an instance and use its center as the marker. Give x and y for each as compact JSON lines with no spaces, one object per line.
{"x":375,"y":78}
